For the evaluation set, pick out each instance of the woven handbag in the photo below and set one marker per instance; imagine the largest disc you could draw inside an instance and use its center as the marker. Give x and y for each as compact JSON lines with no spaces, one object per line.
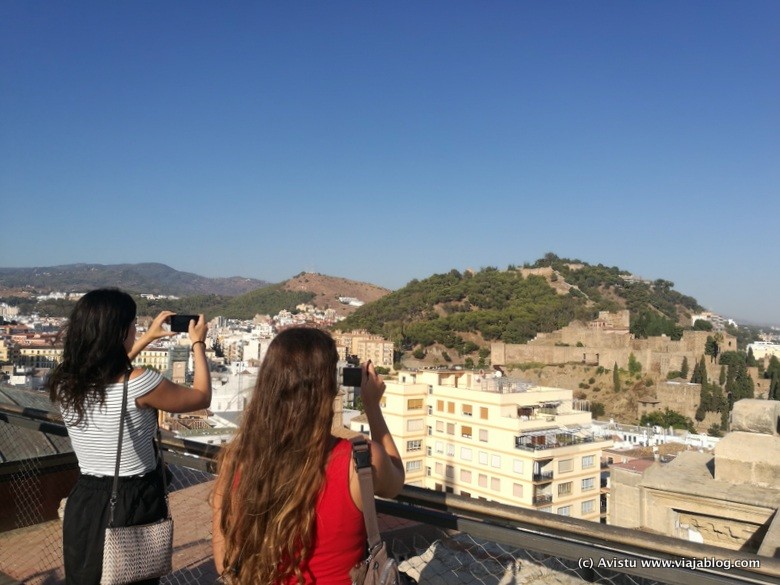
{"x":135,"y":553}
{"x":378,"y":568}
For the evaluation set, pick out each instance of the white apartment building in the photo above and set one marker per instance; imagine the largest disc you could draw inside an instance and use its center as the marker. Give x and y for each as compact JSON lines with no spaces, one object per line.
{"x":496,"y":439}
{"x":763,"y":349}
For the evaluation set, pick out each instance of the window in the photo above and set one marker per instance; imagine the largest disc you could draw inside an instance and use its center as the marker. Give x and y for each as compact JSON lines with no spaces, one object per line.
{"x":483,"y":435}
{"x":547,"y":509}
{"x":467,"y":410}
{"x":414,"y":445}
{"x":428,"y":451}
{"x":450,"y":471}
{"x":450,"y":450}
{"x":588,"y":483}
{"x":439,"y":447}
{"x":465,"y":475}
{"x":517,"y":490}
{"x":414,"y":404}
{"x":465,"y":431}
{"x":517,"y":466}
{"x":451,"y":407}
{"x":439,"y":468}
{"x":430,"y":409}
{"x":465,"y":454}
{"x":440,"y":405}
{"x":495,"y":461}
{"x":495,"y":484}
{"x":564,"y":489}
{"x":383,"y":402}
{"x":428,"y":471}
{"x":564,"y":465}
{"x":483,"y":413}
{"x":588,"y":461}
{"x":588,"y":506}
{"x":564,"y":511}
{"x":415,"y":465}
{"x":415,"y":424}
{"x":482,"y":480}
{"x":450,"y":428}
{"x":430,"y":429}
{"x":483,"y":457}
{"x":439,"y":426}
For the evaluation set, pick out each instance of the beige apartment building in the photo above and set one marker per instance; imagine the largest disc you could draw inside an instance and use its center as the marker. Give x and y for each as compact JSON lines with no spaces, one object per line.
{"x":366,"y":347}
{"x":40,"y":356}
{"x":156,"y":358}
{"x":496,"y":439}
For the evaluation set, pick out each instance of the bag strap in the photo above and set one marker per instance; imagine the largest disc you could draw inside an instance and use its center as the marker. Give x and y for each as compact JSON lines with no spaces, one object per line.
{"x":158,"y":451}
{"x":361,"y":454}
{"x":115,"y":485}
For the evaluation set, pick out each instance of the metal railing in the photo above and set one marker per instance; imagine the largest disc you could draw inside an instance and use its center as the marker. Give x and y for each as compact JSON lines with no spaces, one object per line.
{"x":543,"y":476}
{"x":438,"y":537}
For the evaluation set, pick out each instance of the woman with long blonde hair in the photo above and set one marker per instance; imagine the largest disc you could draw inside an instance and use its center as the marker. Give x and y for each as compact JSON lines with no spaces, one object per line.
{"x":287,"y":505}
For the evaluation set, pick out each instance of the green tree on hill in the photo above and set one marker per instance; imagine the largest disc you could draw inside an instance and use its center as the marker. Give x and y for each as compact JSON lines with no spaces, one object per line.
{"x":667,"y":418}
{"x":684,"y":368}
{"x":616,"y":378}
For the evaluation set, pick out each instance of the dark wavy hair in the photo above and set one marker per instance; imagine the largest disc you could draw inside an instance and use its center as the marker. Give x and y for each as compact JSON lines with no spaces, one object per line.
{"x":94,"y":353}
{"x":274,"y":467}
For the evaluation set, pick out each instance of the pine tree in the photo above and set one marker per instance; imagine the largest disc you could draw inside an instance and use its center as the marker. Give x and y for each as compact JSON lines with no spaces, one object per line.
{"x":615,"y":378}
{"x":722,"y":377}
{"x":699,"y":375}
{"x":684,"y":368}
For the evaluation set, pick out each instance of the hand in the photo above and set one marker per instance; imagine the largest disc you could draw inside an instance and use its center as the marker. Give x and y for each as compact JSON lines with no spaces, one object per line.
{"x":198,"y":330}
{"x":156,"y":330}
{"x":372,"y":386}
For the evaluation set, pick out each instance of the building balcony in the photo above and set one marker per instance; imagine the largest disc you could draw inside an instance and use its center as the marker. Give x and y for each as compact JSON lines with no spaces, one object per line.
{"x":542,"y":500}
{"x":543,"y":477}
{"x":552,"y":439}
{"x":436,"y":537}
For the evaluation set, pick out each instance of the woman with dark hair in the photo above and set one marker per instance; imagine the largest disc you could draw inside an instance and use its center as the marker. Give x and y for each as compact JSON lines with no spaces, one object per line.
{"x":100,"y":346}
{"x":287,"y":506}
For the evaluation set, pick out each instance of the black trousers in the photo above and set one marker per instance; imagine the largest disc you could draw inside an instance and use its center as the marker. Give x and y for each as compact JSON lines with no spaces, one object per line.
{"x":141,"y":499}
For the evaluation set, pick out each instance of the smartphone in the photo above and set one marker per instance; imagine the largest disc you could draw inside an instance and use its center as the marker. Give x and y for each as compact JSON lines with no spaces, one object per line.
{"x":181,"y":323}
{"x":351,"y":376}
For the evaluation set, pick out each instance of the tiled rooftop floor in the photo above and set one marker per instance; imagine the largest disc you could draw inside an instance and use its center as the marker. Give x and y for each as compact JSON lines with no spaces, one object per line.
{"x":33,"y":555}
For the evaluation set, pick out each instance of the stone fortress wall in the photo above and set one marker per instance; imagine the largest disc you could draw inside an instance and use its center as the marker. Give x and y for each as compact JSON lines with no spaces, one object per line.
{"x":606,"y":341}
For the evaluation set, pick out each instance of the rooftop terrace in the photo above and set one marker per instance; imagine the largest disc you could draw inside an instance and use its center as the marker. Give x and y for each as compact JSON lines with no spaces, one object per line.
{"x":440,"y":538}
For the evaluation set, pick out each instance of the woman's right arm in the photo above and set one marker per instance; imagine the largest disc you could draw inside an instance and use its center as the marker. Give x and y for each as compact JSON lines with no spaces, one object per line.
{"x":172,"y":397}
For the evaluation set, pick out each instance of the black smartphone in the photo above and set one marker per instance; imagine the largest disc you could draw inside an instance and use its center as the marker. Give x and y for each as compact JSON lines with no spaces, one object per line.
{"x":351,"y":376}
{"x":181,"y":323}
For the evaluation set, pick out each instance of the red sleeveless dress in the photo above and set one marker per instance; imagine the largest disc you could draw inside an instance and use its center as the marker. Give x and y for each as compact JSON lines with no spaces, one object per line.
{"x":340,"y":536}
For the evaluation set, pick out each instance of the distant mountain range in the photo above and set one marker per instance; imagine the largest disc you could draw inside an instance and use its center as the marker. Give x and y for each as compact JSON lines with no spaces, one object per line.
{"x":456,"y":311}
{"x":153,"y":278}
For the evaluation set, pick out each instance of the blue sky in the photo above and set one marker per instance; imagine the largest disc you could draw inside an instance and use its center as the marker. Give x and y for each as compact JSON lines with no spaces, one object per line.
{"x":390,"y":141}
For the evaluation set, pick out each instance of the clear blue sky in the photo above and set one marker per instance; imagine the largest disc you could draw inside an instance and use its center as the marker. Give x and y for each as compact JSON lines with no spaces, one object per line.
{"x":390,"y":141}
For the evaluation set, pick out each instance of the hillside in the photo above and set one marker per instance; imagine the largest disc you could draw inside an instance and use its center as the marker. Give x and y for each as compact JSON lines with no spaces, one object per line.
{"x":464,"y":312}
{"x":153,"y":278}
{"x":241,"y":298}
{"x":328,"y":289}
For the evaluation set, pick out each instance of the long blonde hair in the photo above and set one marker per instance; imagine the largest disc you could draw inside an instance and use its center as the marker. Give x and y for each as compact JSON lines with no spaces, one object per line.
{"x":273,"y":469}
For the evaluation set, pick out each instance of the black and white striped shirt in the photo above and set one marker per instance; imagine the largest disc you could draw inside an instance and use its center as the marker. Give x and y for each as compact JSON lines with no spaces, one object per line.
{"x":96,"y":437}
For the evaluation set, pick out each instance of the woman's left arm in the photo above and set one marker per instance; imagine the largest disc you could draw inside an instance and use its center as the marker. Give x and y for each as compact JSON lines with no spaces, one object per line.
{"x":155,"y":331}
